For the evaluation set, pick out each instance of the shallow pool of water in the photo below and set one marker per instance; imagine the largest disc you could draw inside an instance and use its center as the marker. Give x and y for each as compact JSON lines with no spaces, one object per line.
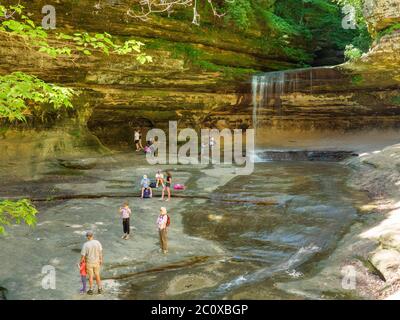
{"x":264,"y":244}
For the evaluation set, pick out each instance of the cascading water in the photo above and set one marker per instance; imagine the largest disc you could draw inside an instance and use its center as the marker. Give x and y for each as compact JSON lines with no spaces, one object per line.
{"x":264,"y":87}
{"x":268,"y":88}
{"x":274,"y":99}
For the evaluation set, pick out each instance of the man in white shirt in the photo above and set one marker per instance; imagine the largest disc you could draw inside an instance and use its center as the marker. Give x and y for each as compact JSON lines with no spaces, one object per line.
{"x":92,"y":255}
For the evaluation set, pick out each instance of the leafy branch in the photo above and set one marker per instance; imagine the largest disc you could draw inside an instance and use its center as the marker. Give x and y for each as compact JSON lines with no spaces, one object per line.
{"x":16,"y":212}
{"x":84,"y":42}
{"x":18,"y":24}
{"x":19,"y":92}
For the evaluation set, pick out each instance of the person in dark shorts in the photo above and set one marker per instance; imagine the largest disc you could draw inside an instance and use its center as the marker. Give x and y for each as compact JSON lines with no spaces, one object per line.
{"x":137,"y":140}
{"x":168,"y":183}
{"x":125,"y":212}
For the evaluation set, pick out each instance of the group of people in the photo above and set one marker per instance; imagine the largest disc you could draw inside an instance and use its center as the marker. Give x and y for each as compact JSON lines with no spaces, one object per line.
{"x":92,"y":250}
{"x":165,"y":182}
{"x":148,"y":148}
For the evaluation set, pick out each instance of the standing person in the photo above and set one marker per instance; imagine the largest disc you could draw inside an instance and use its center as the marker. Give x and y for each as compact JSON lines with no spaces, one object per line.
{"x":125,"y":212}
{"x":162,"y":224}
{"x":145,"y":183}
{"x":83,"y":274}
{"x":140,"y":140}
{"x":168,"y":183}
{"x":92,"y":255}
{"x":137,"y":140}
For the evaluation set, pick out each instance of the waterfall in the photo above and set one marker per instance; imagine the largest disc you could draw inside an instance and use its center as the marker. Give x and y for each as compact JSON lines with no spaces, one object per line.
{"x":254,"y":90}
{"x":265,"y":87}
{"x":268,"y":88}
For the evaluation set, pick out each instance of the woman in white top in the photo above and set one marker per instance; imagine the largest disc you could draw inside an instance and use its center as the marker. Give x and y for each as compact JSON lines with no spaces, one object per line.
{"x":137,"y":140}
{"x":159,"y":179}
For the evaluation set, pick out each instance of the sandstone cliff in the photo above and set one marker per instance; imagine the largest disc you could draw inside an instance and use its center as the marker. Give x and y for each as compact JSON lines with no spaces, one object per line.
{"x":350,"y":99}
{"x":200,"y":75}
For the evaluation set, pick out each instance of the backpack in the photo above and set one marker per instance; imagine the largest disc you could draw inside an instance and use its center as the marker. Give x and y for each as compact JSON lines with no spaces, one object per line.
{"x":179,"y":187}
{"x":168,"y":220}
{"x":146,"y":193}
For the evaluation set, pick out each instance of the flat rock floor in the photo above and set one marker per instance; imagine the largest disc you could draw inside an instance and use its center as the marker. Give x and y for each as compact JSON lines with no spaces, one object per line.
{"x":56,"y":241}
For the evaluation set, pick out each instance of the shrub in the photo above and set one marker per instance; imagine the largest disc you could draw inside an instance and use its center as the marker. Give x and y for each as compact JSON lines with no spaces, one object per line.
{"x":352,"y":53}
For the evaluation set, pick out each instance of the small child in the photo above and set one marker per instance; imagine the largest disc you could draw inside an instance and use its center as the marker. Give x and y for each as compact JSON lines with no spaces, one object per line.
{"x":125,"y":215}
{"x":82,"y":272}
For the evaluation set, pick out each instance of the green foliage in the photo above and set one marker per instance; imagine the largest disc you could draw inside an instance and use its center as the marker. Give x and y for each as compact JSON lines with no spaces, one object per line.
{"x":358,"y":5}
{"x":362,"y":39}
{"x":240,"y":12}
{"x":21,"y":93}
{"x":185,"y":50}
{"x":352,"y":53}
{"x":319,"y":20}
{"x":357,"y":79}
{"x":396,"y":100}
{"x":25,"y":28}
{"x":388,"y":30}
{"x":20,"y":25}
{"x":281,"y":27}
{"x":197,"y":57}
{"x":16,"y":212}
{"x":85,"y":43}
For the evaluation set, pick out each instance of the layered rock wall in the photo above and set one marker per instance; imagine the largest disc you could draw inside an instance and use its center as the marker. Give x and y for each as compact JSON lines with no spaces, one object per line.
{"x":346,"y":100}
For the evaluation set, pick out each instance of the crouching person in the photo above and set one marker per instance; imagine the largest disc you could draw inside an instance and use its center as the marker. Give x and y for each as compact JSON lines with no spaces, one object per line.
{"x":145,"y":184}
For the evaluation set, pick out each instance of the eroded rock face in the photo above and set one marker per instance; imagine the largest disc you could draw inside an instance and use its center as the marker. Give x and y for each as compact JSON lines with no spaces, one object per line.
{"x":119,"y":95}
{"x":379,"y":67}
{"x":381,"y":14}
{"x":23,"y":152}
{"x":357,"y":97}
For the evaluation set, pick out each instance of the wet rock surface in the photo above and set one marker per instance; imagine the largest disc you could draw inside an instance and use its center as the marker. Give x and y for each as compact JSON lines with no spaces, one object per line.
{"x":57,"y":239}
{"x":303,"y":155}
{"x":210,"y":255}
{"x":80,"y":164}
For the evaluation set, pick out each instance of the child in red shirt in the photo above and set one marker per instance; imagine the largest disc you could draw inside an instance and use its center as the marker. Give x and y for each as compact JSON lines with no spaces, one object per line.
{"x":82,"y":272}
